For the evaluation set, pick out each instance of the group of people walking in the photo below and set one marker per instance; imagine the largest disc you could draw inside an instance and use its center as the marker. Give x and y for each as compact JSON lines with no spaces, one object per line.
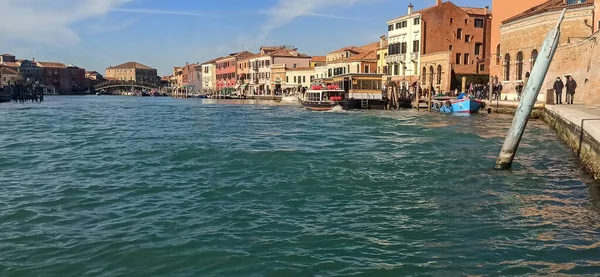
{"x":570,"y":86}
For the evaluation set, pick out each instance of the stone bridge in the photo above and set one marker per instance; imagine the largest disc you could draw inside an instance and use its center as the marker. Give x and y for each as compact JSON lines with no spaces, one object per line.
{"x":125,"y":84}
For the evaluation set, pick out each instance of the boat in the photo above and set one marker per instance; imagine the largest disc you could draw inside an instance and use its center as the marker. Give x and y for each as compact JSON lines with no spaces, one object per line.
{"x":320,"y":98}
{"x":98,"y":93}
{"x":461,"y":106}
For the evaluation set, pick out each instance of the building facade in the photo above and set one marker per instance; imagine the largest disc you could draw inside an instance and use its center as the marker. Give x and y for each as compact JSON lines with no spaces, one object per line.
{"x":300,"y":77}
{"x":318,"y":61}
{"x":404,"y":46}
{"x":522,"y":36}
{"x":226,"y":70}
{"x":54,"y":74}
{"x":30,"y":72}
{"x":209,"y":76}
{"x":8,"y":76}
{"x":132,"y":71}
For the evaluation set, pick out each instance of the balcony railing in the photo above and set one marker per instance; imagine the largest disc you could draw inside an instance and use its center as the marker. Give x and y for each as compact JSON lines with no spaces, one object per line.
{"x":398,"y":58}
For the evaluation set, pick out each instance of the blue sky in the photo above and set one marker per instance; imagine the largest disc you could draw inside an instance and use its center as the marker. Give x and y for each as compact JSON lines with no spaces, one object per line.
{"x":96,"y":34}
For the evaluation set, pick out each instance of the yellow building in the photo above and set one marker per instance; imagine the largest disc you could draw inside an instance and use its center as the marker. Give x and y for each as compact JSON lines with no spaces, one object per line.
{"x":382,"y":53}
{"x":132,"y":71}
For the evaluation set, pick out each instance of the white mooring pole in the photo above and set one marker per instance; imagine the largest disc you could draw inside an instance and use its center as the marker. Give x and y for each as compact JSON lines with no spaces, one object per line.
{"x":530,"y":94}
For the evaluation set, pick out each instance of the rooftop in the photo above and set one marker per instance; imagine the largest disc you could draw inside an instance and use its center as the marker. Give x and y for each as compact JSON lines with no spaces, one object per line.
{"x":212,"y":61}
{"x":7,"y":55}
{"x":551,"y":5}
{"x":318,"y":59}
{"x":130,"y":65}
{"x":7,"y":70}
{"x":301,"y":69}
{"x":51,"y":65}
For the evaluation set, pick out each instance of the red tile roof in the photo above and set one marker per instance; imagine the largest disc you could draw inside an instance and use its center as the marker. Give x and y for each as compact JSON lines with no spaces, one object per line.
{"x":551,"y":5}
{"x":51,"y":65}
{"x":288,"y":53}
{"x":130,"y":65}
{"x":7,"y":70}
{"x":11,"y":64}
{"x":318,"y":59}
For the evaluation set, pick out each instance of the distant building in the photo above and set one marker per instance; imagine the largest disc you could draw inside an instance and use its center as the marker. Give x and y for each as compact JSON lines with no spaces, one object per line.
{"x":8,"y":76}
{"x":30,"y":72}
{"x":132,"y":71}
{"x":55,"y":74}
{"x":226,"y":70}
{"x":318,"y":61}
{"x":300,"y":77}
{"x":261,"y":63}
{"x":7,"y":58}
{"x":382,"y":53}
{"x":209,"y":75}
{"x":352,"y":59}
{"x":440,"y":44}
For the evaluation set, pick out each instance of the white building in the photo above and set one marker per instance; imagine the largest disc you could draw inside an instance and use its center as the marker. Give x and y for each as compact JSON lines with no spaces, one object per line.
{"x":209,"y":75}
{"x":302,"y":76}
{"x":404,"y":46}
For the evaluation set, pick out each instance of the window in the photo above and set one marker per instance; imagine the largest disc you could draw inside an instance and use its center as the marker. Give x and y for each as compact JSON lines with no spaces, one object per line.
{"x":467,"y":61}
{"x":478,"y":46}
{"x":404,"y":24}
{"x":378,"y":56}
{"x":385,"y":70}
{"x":303,"y":79}
{"x":423,"y":76}
{"x":295,"y":79}
{"x":416,"y":21}
{"x":451,"y":19}
{"x":398,"y":25}
{"x":481,"y":67}
{"x":415,"y":46}
{"x":366,"y":68}
{"x":295,"y":65}
{"x":450,"y":47}
{"x":534,"y":55}
{"x":466,"y":21}
{"x":439,"y":75}
{"x":390,"y":27}
{"x":507,"y":67}
{"x":478,"y":23}
{"x":403,"y":48}
{"x":459,"y":33}
{"x":287,"y":79}
{"x":519,"y":64}
{"x":312,"y":78}
{"x":467,"y":38}
{"x":358,"y":68}
{"x":458,"y":58}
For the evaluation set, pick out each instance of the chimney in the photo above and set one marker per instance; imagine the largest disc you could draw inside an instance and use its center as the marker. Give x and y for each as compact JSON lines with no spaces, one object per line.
{"x":410,"y":8}
{"x":439,"y":2}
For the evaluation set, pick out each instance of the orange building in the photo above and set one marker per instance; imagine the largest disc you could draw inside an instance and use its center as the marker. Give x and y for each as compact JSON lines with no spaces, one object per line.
{"x":502,"y":10}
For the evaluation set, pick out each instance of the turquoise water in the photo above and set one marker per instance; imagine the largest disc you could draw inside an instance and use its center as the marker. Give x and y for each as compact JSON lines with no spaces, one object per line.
{"x":118,"y":186}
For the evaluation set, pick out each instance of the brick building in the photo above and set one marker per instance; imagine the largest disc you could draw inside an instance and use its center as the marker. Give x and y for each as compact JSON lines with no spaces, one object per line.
{"x":522,"y":36}
{"x":465,"y":32}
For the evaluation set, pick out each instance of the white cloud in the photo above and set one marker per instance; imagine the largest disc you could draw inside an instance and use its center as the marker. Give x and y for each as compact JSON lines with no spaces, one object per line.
{"x":287,"y":10}
{"x":50,"y":21}
{"x":165,"y":12}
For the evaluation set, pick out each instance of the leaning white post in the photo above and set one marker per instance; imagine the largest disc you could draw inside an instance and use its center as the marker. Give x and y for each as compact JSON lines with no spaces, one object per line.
{"x":530,"y":94}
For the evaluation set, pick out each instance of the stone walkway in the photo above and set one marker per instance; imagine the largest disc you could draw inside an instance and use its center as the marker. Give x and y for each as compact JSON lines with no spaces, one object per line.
{"x":576,"y":113}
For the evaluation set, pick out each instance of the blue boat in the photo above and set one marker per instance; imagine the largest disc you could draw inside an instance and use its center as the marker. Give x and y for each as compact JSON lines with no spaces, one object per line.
{"x":462,"y":106}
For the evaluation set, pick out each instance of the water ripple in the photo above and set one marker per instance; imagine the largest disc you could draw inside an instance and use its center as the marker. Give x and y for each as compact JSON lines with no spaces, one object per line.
{"x":117,"y":186}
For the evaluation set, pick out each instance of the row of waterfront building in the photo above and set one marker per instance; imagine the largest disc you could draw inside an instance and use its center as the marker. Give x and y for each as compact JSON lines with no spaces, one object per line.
{"x":435,"y":47}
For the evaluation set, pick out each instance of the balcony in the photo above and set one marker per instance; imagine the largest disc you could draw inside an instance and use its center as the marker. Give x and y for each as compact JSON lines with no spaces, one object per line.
{"x":398,"y":58}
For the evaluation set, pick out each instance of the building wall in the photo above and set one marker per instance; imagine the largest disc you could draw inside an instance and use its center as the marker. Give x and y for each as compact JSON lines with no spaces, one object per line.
{"x":300,"y":77}
{"x":527,"y":35}
{"x":226,"y":71}
{"x":406,"y":64}
{"x":9,"y":78}
{"x":431,"y":63}
{"x":580,"y":59}
{"x":440,"y":31}
{"x":278,"y":76}
{"x":290,"y":61}
{"x":502,"y":10}
{"x":208,"y":77}
{"x":321,"y":72}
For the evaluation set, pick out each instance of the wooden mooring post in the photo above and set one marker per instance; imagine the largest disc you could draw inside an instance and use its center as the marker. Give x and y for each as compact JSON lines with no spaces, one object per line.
{"x":530,"y":94}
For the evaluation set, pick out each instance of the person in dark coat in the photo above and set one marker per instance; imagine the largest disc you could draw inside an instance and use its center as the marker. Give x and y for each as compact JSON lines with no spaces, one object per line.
{"x":571,"y":86}
{"x":558,"y":88}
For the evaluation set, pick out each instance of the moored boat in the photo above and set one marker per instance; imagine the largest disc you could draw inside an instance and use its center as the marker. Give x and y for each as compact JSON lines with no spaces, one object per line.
{"x":320,"y":98}
{"x":461,"y":106}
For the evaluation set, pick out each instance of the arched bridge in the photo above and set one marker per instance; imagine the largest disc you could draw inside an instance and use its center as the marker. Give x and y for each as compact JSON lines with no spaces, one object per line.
{"x":125,"y":84}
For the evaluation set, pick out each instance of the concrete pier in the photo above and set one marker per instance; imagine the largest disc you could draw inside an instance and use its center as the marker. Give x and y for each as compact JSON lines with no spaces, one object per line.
{"x":579,"y":127}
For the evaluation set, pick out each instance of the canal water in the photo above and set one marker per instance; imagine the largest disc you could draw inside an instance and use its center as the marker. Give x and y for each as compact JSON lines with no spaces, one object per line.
{"x":125,"y":186}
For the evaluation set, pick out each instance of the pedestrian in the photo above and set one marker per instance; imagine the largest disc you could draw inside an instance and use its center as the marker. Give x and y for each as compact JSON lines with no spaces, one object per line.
{"x":558,"y":88}
{"x":499,"y":91}
{"x":571,"y":86}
